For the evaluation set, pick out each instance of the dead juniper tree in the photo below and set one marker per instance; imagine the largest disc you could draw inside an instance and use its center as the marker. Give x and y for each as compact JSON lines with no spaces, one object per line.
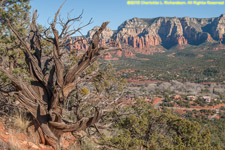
{"x":51,"y":82}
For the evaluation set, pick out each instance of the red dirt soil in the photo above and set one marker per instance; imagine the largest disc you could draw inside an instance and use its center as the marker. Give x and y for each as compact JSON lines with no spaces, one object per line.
{"x":12,"y":139}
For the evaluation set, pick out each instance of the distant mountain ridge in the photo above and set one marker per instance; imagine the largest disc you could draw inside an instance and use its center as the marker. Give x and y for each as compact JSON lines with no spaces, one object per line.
{"x":150,"y":35}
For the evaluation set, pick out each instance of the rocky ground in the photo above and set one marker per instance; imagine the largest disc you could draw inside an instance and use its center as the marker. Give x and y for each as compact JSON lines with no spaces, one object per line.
{"x":12,"y":139}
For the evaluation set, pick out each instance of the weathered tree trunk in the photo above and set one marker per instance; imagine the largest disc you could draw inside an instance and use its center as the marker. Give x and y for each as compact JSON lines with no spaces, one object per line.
{"x":45,"y":94}
{"x":36,"y":132}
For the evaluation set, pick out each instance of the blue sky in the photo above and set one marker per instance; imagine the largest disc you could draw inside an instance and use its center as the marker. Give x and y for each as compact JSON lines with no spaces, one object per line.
{"x":117,"y":11}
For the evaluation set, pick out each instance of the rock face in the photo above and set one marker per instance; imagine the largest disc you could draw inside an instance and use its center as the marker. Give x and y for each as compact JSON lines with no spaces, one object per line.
{"x":128,"y":54}
{"x":105,"y":35}
{"x":150,"y":35}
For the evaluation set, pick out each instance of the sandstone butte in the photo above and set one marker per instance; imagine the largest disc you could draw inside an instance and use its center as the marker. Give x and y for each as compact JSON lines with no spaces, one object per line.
{"x":150,"y":35}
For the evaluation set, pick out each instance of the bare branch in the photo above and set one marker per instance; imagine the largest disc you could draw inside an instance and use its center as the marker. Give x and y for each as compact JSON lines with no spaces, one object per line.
{"x":80,"y":125}
{"x":87,"y":58}
{"x":57,"y":13}
{"x":70,"y":33}
{"x":56,"y":51}
{"x":66,"y":25}
{"x":35,"y":42}
{"x":33,"y":60}
{"x":47,"y":38}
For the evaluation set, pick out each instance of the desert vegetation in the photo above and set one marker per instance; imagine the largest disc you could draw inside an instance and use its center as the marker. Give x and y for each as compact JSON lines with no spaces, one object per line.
{"x":47,"y":91}
{"x":190,"y":64}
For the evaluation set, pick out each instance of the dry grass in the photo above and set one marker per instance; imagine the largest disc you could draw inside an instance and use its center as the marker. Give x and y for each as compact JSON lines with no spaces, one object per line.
{"x":21,"y":122}
{"x":88,"y":144}
{"x":13,"y":143}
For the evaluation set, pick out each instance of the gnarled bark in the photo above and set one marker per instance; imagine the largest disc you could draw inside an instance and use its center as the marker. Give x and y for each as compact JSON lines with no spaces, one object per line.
{"x":43,"y":95}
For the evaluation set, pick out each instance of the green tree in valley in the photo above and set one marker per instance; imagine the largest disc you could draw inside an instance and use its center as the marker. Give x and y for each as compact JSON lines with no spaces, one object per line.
{"x":148,"y":128}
